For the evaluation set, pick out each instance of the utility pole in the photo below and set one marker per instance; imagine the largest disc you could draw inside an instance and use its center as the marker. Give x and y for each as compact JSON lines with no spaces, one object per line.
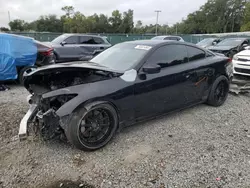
{"x":9,"y":15}
{"x":166,"y":28}
{"x":176,"y":29}
{"x":157,"y":17}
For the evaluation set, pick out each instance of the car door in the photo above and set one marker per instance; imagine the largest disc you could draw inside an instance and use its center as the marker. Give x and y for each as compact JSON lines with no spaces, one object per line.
{"x":198,"y":73}
{"x":163,"y":91}
{"x":69,"y":50}
{"x":87,"y":46}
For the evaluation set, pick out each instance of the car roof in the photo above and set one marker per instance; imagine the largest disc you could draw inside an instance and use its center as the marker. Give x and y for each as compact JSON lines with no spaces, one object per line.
{"x":237,"y":38}
{"x":211,"y":38}
{"x":79,"y":34}
{"x":157,"y":42}
{"x":167,"y":36}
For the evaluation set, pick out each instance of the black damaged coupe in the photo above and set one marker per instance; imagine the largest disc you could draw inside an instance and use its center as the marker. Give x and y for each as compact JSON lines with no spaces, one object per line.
{"x":133,"y":81}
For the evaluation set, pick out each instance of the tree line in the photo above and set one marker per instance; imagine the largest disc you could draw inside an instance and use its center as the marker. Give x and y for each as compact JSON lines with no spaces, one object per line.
{"x":215,"y":16}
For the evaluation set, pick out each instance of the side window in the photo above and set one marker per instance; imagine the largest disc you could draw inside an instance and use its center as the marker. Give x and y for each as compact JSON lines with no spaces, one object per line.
{"x":168,"y":55}
{"x":72,"y":40}
{"x":98,"y":40}
{"x":86,"y":40}
{"x":195,"y":53}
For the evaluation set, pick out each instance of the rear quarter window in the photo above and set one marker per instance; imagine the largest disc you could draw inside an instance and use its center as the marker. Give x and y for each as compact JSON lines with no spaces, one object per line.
{"x":98,"y":40}
{"x":195,"y":54}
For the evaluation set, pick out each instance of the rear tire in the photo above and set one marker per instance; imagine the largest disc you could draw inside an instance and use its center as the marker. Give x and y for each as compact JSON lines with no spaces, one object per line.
{"x":219,"y":91}
{"x":92,"y":129}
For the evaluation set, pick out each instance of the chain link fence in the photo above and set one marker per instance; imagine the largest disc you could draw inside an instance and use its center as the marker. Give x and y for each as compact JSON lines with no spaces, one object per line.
{"x":117,"y":38}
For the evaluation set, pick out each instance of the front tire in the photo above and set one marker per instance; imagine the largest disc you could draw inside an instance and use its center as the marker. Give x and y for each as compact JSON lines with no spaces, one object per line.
{"x":219,"y":91}
{"x":92,"y":129}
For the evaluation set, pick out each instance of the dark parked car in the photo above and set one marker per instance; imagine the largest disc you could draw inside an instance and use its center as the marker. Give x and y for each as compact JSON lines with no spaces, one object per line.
{"x":127,"y":83}
{"x":205,"y":43}
{"x":168,"y":37}
{"x":230,"y":46}
{"x":71,"y":47}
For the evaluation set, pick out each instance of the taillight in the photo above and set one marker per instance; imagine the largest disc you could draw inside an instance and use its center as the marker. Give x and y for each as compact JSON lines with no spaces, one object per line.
{"x":229,"y":60}
{"x":48,"y":52}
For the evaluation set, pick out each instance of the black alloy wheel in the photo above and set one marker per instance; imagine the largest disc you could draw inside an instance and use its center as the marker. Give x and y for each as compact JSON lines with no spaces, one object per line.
{"x":95,"y":126}
{"x":92,"y":129}
{"x":219,"y":91}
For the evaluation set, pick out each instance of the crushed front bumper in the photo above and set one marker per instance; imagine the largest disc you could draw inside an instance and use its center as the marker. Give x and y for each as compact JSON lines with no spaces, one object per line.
{"x":23,"y":128}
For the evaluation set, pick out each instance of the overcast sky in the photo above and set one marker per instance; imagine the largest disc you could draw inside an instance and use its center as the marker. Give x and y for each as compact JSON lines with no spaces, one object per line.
{"x":29,"y":10}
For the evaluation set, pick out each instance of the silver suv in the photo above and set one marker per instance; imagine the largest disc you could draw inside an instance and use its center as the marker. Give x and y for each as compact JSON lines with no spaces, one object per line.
{"x":73,"y":47}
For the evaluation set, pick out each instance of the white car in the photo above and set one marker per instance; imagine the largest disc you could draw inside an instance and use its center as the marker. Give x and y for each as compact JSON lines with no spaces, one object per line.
{"x":241,"y":63}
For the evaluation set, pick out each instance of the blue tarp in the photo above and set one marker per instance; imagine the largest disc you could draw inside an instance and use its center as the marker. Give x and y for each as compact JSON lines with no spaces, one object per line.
{"x":15,"y":51}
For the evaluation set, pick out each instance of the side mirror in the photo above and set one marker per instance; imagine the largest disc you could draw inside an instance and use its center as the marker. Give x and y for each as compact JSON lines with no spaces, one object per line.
{"x":151,"y":70}
{"x":214,"y":43}
{"x":245,"y":45}
{"x":63,"y":43}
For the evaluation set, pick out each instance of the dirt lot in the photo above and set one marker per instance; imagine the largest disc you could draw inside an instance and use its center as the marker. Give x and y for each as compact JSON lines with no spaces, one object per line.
{"x":198,"y":147}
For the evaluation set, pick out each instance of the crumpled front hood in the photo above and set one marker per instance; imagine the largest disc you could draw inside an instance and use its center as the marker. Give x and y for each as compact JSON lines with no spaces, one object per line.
{"x":221,"y":48}
{"x":63,"y":75}
{"x":71,"y":65}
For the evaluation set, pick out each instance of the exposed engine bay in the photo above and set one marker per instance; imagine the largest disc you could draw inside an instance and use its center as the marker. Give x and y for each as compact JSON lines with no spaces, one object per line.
{"x":64,"y":78}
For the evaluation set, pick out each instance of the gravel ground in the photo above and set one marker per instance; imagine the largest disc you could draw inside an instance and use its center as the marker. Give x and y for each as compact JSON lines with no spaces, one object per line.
{"x":198,"y":147}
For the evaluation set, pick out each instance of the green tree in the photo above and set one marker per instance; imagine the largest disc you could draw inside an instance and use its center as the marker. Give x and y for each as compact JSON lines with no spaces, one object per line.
{"x":246,"y":21}
{"x":4,"y":29}
{"x":49,"y":23}
{"x":116,"y":21}
{"x":127,"y":22}
{"x":69,"y":10}
{"x":17,"y":25}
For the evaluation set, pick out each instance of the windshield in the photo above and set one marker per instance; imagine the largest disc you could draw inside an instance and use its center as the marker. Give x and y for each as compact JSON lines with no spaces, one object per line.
{"x":230,"y":42}
{"x":121,"y":57}
{"x":59,"y":39}
{"x":205,"y":42}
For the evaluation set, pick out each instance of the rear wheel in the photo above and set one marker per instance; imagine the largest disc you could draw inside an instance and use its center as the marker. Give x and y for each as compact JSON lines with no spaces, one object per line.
{"x":219,"y":91}
{"x":92,"y":129}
